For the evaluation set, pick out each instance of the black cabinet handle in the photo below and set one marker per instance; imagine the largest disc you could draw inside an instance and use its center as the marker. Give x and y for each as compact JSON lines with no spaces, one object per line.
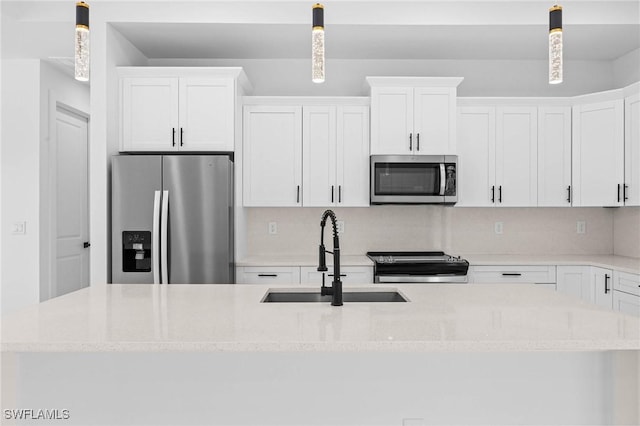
{"x":511,"y":274}
{"x":267,"y":275}
{"x":418,"y":141}
{"x":500,"y":194}
{"x":624,"y":192}
{"x":569,"y":194}
{"x":410,"y":141}
{"x":173,"y":136}
{"x":339,"y":193}
{"x":618,"y":192}
{"x":493,"y":193}
{"x":342,"y":275}
{"x":86,"y":244}
{"x":606,"y":281}
{"x":298,"y":194}
{"x":181,"y":131}
{"x":332,"y":193}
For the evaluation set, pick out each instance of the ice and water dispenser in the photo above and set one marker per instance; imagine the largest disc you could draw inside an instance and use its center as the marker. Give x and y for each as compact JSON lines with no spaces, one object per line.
{"x":136,"y":251}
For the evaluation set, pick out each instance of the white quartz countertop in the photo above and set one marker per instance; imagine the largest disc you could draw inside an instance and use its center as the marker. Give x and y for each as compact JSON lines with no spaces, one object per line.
{"x":620,"y":263}
{"x":217,"y":318}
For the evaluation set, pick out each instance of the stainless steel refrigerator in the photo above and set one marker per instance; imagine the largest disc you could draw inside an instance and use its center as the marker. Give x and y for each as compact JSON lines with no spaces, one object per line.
{"x":172,"y":219}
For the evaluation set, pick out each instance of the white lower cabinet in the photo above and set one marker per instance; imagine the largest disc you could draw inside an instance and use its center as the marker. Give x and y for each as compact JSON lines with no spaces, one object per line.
{"x":626,"y":303}
{"x":602,"y":284}
{"x":513,"y":274}
{"x":348,"y":275}
{"x":626,"y":293}
{"x":268,"y":275}
{"x":574,"y":280}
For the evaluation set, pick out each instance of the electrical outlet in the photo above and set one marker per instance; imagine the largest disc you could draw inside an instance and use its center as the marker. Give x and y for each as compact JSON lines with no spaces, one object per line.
{"x":19,"y":228}
{"x":273,"y":228}
{"x":340,"y":224}
{"x":497,"y":227}
{"x":581,"y":227}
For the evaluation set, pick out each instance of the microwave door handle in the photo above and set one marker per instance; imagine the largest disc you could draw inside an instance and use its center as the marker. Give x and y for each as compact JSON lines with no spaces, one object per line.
{"x":443,"y":179}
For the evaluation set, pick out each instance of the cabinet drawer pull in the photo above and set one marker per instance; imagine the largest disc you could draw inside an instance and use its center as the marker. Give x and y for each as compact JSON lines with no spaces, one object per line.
{"x":342,"y":275}
{"x":267,"y":275}
{"x":606,"y":283}
{"x":173,"y":136}
{"x":618,"y":192}
{"x":624,"y":192}
{"x":511,"y":274}
{"x":339,"y":193}
{"x":418,"y":141}
{"x":410,"y":141}
{"x":181,"y":132}
{"x":298,"y":194}
{"x":332,"y":188}
{"x":500,"y":194}
{"x":493,"y":193}
{"x":569,"y":194}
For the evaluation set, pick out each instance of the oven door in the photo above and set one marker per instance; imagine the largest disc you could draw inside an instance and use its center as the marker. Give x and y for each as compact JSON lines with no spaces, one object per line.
{"x":405,"y":179}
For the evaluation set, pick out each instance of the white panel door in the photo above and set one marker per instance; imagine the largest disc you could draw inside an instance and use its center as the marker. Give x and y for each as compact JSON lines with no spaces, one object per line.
{"x":352,"y":159}
{"x":149,"y":114}
{"x":71,"y":266}
{"x":516,"y":156}
{"x":554,"y":156}
{"x":575,"y":281}
{"x":602,"y":285}
{"x":392,"y":120}
{"x":206,"y":114}
{"x":632,"y":150}
{"x":598,"y":154}
{"x":319,"y":156}
{"x":434,"y":122}
{"x":476,"y":156}
{"x":272,"y":163}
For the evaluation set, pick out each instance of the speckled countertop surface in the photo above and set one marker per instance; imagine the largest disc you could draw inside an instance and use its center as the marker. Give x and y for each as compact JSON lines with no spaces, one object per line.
{"x":216,"y":318}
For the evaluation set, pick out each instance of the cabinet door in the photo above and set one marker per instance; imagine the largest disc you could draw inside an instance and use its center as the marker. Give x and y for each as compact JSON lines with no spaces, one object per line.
{"x":575,"y":281}
{"x":626,"y":303}
{"x":476,"y":156}
{"x":272,"y":163}
{"x":319,"y":156}
{"x":149,"y":114}
{"x":392,"y":119}
{"x":598,"y":157}
{"x":434,"y":122}
{"x":632,"y":150}
{"x":348,"y":275}
{"x":352,"y":159}
{"x":602,"y":285}
{"x":628,"y":283}
{"x":554,"y":156}
{"x":516,"y":156}
{"x":206,"y":114}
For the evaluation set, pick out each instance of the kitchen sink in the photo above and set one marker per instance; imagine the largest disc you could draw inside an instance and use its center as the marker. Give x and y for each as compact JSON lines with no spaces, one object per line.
{"x":297,"y":296}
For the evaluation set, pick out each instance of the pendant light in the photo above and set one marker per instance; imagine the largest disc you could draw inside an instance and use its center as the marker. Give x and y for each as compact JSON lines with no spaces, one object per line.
{"x":317,"y":44}
{"x":555,"y":45}
{"x":82,"y":54}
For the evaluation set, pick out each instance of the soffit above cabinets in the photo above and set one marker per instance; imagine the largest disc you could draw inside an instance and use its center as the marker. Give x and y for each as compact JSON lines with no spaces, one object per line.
{"x":355,"y":29}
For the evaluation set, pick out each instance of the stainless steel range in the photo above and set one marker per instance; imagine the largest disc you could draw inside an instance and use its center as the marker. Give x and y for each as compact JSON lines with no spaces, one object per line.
{"x":417,"y":267}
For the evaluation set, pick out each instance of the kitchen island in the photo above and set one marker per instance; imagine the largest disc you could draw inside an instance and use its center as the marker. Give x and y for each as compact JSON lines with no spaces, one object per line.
{"x":214,"y":354}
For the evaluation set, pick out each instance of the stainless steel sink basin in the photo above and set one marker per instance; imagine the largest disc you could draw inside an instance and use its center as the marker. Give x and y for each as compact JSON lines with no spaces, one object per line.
{"x":293,"y":296}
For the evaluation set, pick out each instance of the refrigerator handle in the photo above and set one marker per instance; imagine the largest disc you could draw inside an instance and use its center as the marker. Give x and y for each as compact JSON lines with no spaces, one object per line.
{"x":164,"y":230}
{"x":155,"y":244}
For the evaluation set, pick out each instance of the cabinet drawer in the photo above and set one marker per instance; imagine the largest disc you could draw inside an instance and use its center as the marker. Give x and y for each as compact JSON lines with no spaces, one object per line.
{"x":529,"y":274}
{"x":629,"y":283}
{"x":348,"y":275}
{"x":268,"y":275}
{"x":626,"y":303}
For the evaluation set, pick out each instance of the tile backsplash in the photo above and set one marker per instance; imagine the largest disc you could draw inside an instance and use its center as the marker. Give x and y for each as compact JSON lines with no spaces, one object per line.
{"x":626,"y":231}
{"x":456,"y":230}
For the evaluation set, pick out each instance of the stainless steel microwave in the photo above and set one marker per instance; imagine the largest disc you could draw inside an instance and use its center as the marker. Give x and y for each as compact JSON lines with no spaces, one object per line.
{"x":414,"y":179}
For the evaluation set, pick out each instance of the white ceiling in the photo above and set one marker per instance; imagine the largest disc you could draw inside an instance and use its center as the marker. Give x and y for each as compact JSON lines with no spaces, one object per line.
{"x":355,"y":29}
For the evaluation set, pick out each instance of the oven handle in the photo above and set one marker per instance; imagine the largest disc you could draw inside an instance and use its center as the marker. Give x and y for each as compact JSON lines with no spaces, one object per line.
{"x":421,"y":279}
{"x":443,"y":178}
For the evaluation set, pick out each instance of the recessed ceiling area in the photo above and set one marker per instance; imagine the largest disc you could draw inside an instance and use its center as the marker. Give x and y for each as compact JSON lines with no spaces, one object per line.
{"x":263,"y":41}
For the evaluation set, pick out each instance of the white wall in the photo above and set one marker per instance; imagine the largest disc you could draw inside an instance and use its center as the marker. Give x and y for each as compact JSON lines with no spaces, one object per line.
{"x":29,"y":88}
{"x":626,"y":69}
{"x":452,"y":229}
{"x":292,"y":77}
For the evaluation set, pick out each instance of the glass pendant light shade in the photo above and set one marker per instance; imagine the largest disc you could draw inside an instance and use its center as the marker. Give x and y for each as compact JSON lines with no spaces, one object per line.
{"x":555,"y":45}
{"x":82,"y":55}
{"x":317,"y":44}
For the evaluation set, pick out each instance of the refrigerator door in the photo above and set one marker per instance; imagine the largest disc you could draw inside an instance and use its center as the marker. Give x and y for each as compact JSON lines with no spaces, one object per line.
{"x":200,"y":219}
{"x":135,"y":181}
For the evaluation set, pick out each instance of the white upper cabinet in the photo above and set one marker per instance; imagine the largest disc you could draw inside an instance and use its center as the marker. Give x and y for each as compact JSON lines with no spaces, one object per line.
{"x":306,"y":155}
{"x":167,"y":109}
{"x":554,"y":156}
{"x":413,"y":116}
{"x":631,"y":193}
{"x":598,"y":153}
{"x":516,"y":156}
{"x":272,"y":156}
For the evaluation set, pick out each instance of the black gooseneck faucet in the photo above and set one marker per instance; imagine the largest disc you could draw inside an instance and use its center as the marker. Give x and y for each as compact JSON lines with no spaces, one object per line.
{"x":335,"y":291}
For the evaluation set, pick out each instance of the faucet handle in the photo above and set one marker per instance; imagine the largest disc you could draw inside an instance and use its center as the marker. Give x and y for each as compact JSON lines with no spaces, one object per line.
{"x":322,"y":259}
